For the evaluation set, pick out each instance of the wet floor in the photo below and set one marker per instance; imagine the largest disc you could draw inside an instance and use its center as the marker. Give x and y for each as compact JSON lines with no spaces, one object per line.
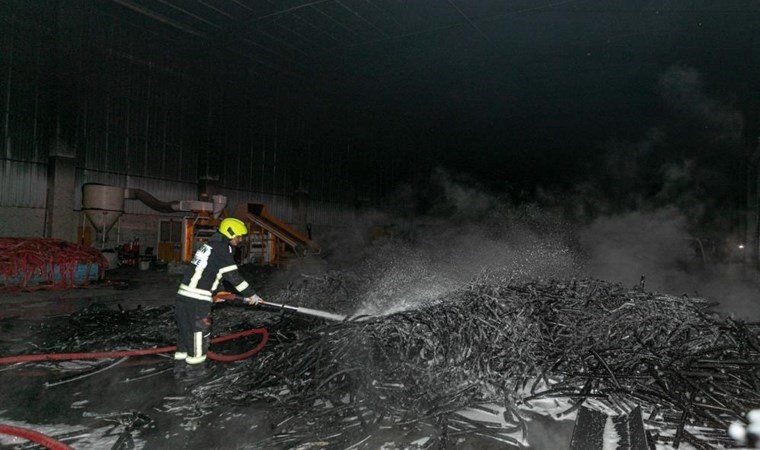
{"x":114,"y":403}
{"x":120,"y":408}
{"x":135,"y":402}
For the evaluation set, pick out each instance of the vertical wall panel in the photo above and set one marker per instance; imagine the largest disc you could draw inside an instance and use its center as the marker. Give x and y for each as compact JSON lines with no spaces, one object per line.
{"x":24,"y":40}
{"x":6,"y":76}
{"x":22,"y":184}
{"x":157,"y":114}
{"x":140,"y":103}
{"x":95,"y":150}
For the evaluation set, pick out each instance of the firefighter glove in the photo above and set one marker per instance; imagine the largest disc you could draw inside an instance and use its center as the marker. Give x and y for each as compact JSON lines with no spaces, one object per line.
{"x":253,"y":300}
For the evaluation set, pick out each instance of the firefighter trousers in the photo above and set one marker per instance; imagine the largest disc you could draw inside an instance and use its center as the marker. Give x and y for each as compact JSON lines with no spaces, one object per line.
{"x":193,"y":319}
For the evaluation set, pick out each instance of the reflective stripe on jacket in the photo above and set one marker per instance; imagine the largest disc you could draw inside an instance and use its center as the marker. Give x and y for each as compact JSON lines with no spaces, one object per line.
{"x":212,"y":262}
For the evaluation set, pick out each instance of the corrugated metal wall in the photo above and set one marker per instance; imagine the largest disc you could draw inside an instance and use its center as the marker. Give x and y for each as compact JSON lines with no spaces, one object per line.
{"x":144,"y":110}
{"x":25,"y":40}
{"x":22,"y":184}
{"x":138,"y":109}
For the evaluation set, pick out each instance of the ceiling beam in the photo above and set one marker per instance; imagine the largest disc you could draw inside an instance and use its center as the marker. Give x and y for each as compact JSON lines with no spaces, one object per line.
{"x":160,"y":17}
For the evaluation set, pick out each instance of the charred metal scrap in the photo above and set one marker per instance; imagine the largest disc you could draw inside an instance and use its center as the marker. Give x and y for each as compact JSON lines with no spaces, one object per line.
{"x":508,"y":343}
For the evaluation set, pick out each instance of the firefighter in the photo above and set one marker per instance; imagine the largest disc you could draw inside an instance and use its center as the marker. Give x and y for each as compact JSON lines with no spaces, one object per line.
{"x":192,"y":308}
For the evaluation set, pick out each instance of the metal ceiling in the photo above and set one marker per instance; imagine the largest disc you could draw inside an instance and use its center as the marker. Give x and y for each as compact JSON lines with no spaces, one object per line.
{"x":382,"y":40}
{"x":297,"y":34}
{"x":452,"y":47}
{"x":467,"y":62}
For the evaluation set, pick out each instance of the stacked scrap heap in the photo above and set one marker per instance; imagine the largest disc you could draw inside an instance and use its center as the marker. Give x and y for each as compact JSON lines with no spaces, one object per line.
{"x":498,"y":345}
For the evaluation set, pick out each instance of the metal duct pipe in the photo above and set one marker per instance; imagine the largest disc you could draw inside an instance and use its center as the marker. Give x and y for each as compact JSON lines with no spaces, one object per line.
{"x":219,"y":202}
{"x":103,"y":204}
{"x":151,"y":201}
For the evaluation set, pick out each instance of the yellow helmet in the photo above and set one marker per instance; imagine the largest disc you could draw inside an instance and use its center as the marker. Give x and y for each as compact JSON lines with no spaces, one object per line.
{"x":232,"y":227}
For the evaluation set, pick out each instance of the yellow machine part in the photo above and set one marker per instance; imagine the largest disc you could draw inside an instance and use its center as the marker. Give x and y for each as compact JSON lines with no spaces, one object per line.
{"x":196,"y":231}
{"x":274,"y":237}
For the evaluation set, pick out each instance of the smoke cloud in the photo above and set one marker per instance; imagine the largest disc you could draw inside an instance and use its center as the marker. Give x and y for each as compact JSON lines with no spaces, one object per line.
{"x":653,"y":212}
{"x":671,"y":201}
{"x":683,"y":90}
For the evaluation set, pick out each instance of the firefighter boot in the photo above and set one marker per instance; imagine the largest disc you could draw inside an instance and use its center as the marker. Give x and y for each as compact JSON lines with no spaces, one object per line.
{"x":180,"y":370}
{"x":194,"y":374}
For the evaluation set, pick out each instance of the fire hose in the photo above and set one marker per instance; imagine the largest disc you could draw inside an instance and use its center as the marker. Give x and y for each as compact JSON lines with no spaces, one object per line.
{"x":34,"y":436}
{"x":223,"y":296}
{"x":148,"y":351}
{"x":51,"y":443}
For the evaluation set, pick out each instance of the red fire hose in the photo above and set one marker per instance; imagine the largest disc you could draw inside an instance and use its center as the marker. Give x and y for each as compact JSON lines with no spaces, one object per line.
{"x":148,"y":351}
{"x":52,"y":444}
{"x":34,"y":436}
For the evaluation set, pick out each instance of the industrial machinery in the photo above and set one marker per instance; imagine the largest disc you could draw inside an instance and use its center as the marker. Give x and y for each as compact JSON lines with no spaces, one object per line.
{"x":104,"y":204}
{"x":262,"y":247}
{"x":271,"y":241}
{"x":196,"y":230}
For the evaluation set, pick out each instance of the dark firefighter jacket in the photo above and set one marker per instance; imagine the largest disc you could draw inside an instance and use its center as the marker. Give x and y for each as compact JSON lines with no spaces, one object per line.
{"x":212,"y":262}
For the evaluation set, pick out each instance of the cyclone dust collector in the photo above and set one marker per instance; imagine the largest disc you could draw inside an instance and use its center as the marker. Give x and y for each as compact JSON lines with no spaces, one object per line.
{"x":102,"y":205}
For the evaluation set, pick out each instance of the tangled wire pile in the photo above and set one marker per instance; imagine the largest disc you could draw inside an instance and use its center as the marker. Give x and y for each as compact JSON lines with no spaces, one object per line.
{"x":98,"y":328}
{"x":43,"y":263}
{"x":510,"y":344}
{"x":496,"y":342}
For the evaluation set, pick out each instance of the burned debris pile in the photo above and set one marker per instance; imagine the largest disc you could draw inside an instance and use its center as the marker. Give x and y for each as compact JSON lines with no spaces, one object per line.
{"x":499,"y":345}
{"x":99,"y":328}
{"x":510,"y":344}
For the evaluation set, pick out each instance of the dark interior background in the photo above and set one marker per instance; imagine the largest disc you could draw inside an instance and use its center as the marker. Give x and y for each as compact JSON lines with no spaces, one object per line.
{"x":617,"y":103}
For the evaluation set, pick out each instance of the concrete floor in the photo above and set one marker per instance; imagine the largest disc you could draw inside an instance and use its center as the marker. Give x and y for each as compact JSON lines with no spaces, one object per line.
{"x":132,"y":404}
{"x":121,"y":407}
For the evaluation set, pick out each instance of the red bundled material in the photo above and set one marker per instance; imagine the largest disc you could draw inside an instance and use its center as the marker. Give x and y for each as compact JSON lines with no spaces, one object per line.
{"x":45,"y":263}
